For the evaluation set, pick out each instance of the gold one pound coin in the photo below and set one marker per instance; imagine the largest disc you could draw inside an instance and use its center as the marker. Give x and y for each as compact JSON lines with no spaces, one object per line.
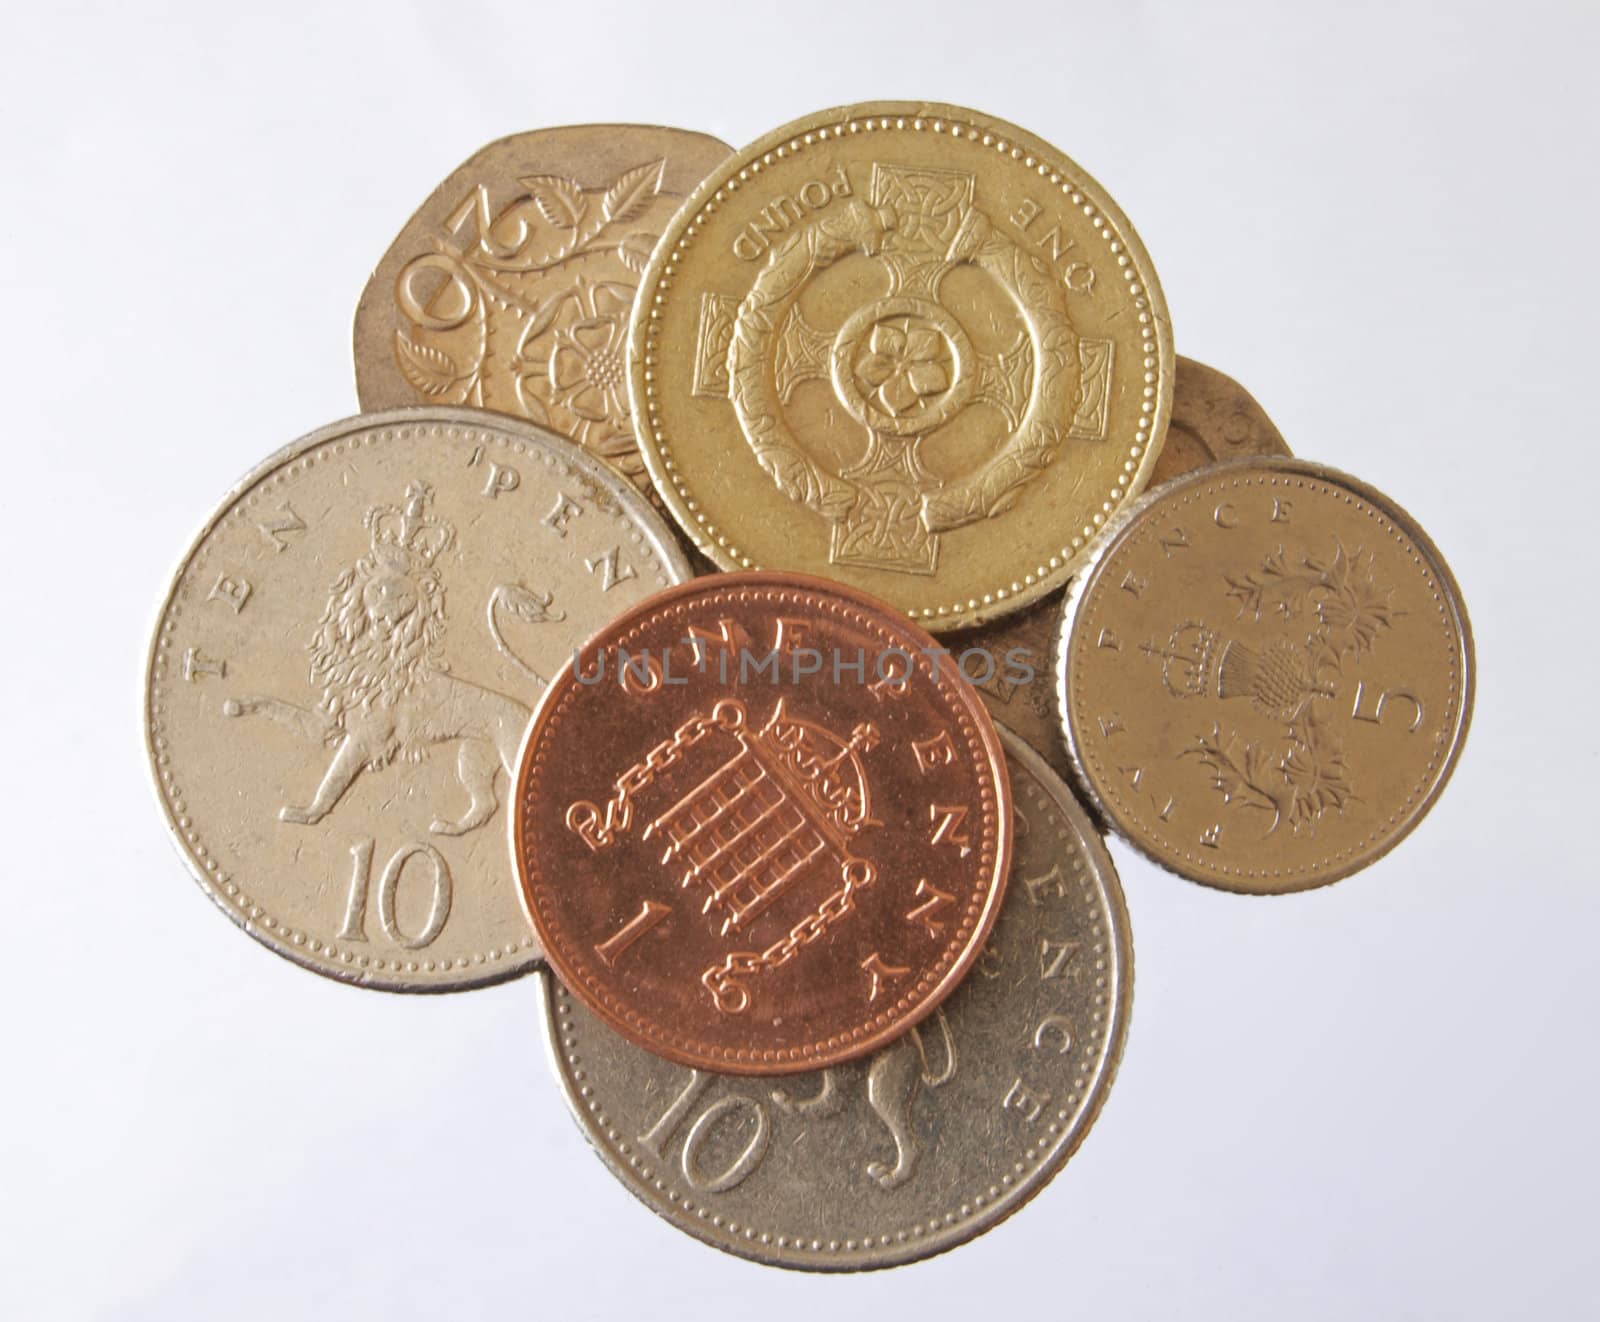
{"x":1266,"y":676}
{"x":905,"y":346}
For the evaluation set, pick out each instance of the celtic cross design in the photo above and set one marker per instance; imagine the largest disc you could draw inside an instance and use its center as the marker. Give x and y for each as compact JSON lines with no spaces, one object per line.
{"x":902,"y":365}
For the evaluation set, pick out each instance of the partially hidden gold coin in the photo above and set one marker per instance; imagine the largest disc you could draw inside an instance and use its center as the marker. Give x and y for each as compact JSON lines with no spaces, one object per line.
{"x":1214,"y":418}
{"x":510,"y":287}
{"x":908,"y":347}
{"x":1266,"y":675}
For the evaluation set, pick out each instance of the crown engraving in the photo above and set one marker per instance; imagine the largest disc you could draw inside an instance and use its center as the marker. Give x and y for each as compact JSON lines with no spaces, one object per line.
{"x":408,"y":538}
{"x":1199,"y":662}
{"x":1188,"y":661}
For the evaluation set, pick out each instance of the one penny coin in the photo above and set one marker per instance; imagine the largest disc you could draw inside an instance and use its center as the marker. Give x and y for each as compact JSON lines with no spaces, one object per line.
{"x":762,"y":824}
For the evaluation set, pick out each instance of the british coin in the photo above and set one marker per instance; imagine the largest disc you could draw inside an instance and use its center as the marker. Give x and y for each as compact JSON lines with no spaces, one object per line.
{"x":1214,"y":418}
{"x":936,"y":1138}
{"x":343,"y":669}
{"x":759,"y":827}
{"x":510,"y":287}
{"x":1266,"y":676}
{"x":906,"y":346}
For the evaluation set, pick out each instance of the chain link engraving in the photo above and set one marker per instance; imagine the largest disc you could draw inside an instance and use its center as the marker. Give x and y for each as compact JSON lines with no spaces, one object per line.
{"x":783,"y":808}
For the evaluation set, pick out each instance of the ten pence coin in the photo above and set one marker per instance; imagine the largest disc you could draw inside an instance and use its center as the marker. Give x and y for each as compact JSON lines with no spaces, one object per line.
{"x":1266,"y":675}
{"x":760,"y":827}
{"x":343,"y":670}
{"x":510,"y":287}
{"x":906,"y":346}
{"x":933,"y":1139}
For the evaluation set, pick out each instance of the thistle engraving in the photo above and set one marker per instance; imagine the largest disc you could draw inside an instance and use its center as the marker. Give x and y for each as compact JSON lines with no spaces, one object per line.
{"x":1302,"y":775}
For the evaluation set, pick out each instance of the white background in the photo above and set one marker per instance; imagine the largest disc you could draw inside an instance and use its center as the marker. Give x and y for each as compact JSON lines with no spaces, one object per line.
{"x":1375,"y":1101}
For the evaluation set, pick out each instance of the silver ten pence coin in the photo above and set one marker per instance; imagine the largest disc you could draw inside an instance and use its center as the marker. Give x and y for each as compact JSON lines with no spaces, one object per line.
{"x":343,"y":670}
{"x":923,"y":1145}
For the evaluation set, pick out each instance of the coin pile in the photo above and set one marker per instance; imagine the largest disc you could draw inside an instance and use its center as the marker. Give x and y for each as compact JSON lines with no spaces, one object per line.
{"x":835,"y":966}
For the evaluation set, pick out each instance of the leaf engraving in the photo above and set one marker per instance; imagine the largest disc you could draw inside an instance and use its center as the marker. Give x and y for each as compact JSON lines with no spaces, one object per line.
{"x":1315,"y":770}
{"x":634,"y":251}
{"x":560,"y":201}
{"x":430,"y":371}
{"x":1352,"y":608}
{"x":1238,"y":774}
{"x":631,"y":190}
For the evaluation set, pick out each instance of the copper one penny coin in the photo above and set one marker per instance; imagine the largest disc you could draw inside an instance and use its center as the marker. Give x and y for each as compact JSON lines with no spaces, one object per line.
{"x":762,"y":824}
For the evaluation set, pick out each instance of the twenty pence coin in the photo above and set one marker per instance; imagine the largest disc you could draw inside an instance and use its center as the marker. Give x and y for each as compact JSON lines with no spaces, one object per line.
{"x":908,"y":347}
{"x":1266,"y":676}
{"x":759,"y":828}
{"x":932,"y":1140}
{"x":343,"y":669}
{"x":510,"y":287}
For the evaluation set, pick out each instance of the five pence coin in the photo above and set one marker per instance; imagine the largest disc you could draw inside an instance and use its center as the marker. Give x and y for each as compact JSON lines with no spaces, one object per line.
{"x":1266,"y":675}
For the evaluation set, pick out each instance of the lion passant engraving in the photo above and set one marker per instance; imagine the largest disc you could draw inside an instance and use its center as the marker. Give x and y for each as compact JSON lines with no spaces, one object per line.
{"x":894,"y":1077}
{"x":387,"y":693}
